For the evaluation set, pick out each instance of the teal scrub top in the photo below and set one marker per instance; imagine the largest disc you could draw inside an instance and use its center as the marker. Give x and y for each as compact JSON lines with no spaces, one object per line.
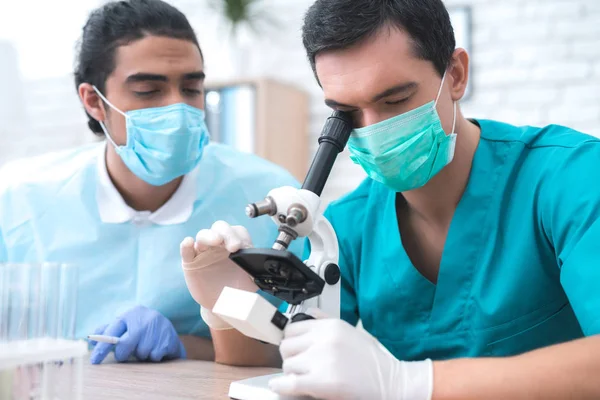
{"x":521,"y":264}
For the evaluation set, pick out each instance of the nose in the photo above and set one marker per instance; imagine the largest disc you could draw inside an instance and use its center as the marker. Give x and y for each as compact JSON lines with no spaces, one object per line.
{"x":175,"y":100}
{"x":175,"y":96}
{"x":367,"y":118}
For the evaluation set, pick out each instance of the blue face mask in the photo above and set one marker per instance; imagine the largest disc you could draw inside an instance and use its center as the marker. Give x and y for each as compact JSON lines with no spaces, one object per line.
{"x":163,"y":143}
{"x":406,"y":151}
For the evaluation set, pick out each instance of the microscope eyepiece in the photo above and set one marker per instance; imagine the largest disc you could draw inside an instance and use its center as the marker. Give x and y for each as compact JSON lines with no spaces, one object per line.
{"x":333,"y":139}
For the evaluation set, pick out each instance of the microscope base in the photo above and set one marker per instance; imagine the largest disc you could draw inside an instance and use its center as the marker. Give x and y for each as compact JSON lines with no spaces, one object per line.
{"x":257,"y":389}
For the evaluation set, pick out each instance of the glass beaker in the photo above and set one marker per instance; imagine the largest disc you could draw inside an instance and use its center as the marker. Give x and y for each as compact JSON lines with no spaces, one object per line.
{"x":38,"y":357}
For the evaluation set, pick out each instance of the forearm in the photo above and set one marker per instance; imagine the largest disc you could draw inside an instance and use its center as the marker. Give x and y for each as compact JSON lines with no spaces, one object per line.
{"x":569,"y":370}
{"x":198,"y":348}
{"x":233,"y":348}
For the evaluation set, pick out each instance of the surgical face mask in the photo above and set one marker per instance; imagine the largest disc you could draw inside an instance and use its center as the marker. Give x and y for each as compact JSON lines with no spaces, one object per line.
{"x":163,"y":143}
{"x":406,"y":151}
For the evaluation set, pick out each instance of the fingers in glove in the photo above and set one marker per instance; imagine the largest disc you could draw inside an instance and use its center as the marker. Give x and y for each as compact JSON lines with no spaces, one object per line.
{"x":299,"y":364}
{"x":117,"y":328}
{"x":207,"y":238}
{"x":126,"y":346}
{"x":311,"y":385}
{"x":293,"y":346}
{"x":158,"y":353}
{"x":187,"y":250}
{"x":167,"y":346}
{"x":300,"y":328}
{"x":244,"y":236}
{"x":144,"y":347}
{"x":230,"y":236}
{"x":208,"y":246}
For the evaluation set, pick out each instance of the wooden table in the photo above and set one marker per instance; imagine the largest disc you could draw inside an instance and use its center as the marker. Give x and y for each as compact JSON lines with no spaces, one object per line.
{"x":168,"y":380}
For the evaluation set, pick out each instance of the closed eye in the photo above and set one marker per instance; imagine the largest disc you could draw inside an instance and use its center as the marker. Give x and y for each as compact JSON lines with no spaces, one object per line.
{"x":192,"y":91}
{"x":145,"y":94}
{"x":396,"y":102}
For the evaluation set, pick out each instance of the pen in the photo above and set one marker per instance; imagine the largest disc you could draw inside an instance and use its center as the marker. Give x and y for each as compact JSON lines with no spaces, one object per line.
{"x":104,"y":339}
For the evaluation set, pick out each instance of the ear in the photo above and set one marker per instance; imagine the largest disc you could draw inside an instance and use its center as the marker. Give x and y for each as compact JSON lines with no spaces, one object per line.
{"x":459,"y":70}
{"x":92,"y":102}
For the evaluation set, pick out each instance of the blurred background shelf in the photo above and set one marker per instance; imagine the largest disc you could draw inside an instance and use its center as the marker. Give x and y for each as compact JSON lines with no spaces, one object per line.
{"x":261,"y":116}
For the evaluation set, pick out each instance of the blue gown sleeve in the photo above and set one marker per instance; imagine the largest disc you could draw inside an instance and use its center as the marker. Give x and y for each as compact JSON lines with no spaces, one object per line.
{"x":571,"y":220}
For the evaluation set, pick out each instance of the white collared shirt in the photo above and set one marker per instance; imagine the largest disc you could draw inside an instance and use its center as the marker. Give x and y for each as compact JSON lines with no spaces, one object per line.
{"x":114,"y":210}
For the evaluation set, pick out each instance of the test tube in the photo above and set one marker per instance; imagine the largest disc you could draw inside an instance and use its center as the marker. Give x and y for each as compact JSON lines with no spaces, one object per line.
{"x":33,"y":306}
{"x":50,"y":294}
{"x":17,"y":307}
{"x":68,"y":300}
{"x":60,"y":283}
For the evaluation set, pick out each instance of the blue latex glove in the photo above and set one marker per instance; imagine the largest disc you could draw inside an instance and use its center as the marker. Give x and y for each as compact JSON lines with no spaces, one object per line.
{"x":144,"y":333}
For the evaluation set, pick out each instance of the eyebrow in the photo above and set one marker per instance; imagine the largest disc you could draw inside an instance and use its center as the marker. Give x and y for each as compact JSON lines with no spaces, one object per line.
{"x":398,"y":89}
{"x":145,"y":77}
{"x":198,"y":75}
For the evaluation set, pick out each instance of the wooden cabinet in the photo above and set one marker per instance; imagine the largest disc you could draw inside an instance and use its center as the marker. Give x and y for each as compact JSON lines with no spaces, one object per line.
{"x":265,"y":117}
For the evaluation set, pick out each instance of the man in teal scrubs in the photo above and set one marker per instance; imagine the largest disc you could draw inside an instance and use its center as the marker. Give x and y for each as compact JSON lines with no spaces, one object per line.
{"x":473,"y":243}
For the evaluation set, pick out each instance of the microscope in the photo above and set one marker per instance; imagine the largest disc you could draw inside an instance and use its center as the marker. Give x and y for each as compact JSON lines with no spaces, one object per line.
{"x":314,"y":283}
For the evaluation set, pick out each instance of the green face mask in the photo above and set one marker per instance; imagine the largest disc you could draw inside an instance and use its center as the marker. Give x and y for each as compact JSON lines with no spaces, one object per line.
{"x":406,"y":151}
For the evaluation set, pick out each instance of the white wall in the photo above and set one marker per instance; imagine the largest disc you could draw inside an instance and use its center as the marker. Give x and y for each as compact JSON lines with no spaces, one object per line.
{"x":39,"y":109}
{"x":534,"y":62}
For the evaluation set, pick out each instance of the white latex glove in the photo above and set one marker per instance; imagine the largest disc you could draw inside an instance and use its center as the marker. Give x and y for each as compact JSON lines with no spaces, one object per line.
{"x":207,"y":267}
{"x":330,"y":359}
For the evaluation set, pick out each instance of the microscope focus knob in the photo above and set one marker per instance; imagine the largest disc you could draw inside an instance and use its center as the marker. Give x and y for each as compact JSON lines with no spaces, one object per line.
{"x":266,"y":206}
{"x":296,"y":215}
{"x":332,"y":274}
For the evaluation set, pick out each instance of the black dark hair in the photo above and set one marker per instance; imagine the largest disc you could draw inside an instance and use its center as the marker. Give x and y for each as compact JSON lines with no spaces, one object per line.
{"x":117,"y":24}
{"x":340,"y":24}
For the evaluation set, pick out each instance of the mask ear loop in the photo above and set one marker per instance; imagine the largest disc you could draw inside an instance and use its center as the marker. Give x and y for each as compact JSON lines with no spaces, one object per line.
{"x":440,"y":90}
{"x":454,"y":121}
{"x":110,"y":139}
{"x":454,"y":103}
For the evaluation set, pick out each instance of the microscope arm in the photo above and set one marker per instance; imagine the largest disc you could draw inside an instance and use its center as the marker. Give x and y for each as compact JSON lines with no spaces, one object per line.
{"x":324,"y":257}
{"x":296,"y":212}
